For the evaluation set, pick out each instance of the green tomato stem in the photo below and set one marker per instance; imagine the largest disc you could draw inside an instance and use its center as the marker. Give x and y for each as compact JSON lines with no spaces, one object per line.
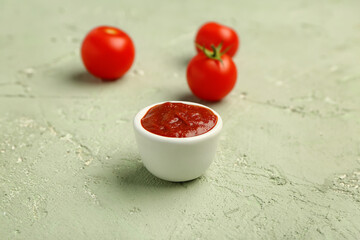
{"x":215,"y":53}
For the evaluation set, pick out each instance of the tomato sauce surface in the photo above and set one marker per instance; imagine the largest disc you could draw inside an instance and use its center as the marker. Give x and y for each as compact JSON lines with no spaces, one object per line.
{"x":178,"y":120}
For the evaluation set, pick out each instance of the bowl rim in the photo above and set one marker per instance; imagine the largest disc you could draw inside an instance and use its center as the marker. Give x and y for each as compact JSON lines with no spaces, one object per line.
{"x":212,"y":132}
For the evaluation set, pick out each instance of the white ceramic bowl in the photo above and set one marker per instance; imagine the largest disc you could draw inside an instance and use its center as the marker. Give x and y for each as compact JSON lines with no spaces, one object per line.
{"x":176,"y":159}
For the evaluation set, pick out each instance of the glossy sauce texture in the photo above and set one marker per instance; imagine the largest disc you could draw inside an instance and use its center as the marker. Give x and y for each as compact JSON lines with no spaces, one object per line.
{"x":178,"y":120}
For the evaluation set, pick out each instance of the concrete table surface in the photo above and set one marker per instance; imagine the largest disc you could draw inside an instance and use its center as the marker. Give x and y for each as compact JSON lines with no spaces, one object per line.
{"x":288,"y":163}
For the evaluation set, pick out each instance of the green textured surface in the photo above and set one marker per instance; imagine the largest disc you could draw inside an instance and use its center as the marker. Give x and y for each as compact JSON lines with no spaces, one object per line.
{"x":288,"y":164}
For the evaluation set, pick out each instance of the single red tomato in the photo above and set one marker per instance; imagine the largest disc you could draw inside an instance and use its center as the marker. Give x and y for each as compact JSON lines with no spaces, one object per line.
{"x":213,"y":33}
{"x":211,"y":75}
{"x":107,"y":52}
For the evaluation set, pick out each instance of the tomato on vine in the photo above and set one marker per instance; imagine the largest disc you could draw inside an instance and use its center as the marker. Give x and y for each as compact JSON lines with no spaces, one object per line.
{"x":211,"y":74}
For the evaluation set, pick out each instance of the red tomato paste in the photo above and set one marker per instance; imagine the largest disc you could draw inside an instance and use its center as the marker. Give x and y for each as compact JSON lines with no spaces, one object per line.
{"x":178,"y":120}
